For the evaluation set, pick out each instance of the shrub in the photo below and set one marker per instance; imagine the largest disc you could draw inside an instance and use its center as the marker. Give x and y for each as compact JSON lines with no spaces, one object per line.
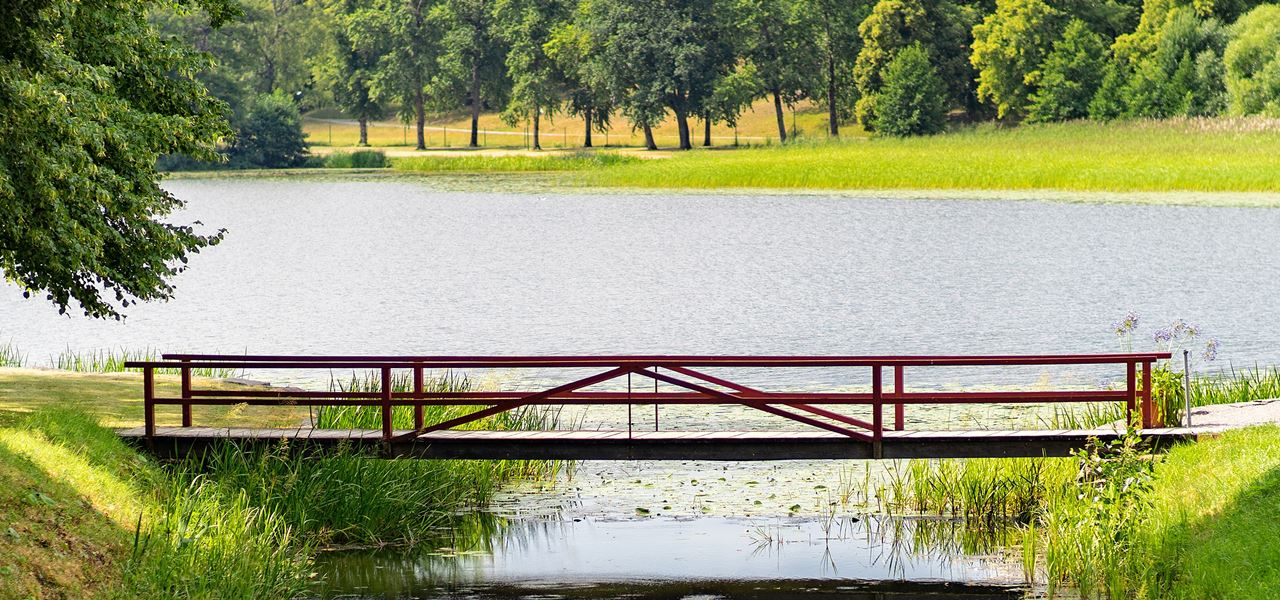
{"x":1070,"y":76}
{"x":360,"y":159}
{"x":1252,"y":62}
{"x":270,"y":134}
{"x":914,"y":98}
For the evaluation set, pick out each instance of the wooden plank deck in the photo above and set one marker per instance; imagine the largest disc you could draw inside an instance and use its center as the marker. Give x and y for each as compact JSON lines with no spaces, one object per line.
{"x":661,"y":445}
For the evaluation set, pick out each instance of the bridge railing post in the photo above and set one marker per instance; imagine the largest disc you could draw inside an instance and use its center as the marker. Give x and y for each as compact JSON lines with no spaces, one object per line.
{"x":418,"y":397}
{"x":386,"y":403}
{"x":186,"y":393}
{"x":899,"y":377}
{"x":1130,"y":393}
{"x":149,"y":401}
{"x":1148,"y":411}
{"x":877,"y":411}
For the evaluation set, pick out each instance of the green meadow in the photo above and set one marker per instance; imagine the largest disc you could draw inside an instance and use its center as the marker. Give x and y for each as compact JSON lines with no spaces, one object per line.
{"x":1179,"y":155}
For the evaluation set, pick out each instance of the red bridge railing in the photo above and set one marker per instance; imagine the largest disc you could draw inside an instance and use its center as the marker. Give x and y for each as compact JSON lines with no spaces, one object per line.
{"x":682,"y":372}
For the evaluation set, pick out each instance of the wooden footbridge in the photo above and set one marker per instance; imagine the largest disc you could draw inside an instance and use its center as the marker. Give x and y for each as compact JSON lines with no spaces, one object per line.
{"x":833,"y":433}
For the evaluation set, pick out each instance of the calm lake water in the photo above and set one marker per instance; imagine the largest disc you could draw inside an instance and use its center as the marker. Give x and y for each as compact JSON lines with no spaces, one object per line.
{"x":407,"y":267}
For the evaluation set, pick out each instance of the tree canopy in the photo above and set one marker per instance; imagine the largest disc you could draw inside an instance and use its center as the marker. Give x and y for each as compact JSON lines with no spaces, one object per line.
{"x":91,"y":95}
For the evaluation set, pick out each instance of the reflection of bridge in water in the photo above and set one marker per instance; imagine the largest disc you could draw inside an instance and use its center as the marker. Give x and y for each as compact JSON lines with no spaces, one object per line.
{"x":834,"y":433}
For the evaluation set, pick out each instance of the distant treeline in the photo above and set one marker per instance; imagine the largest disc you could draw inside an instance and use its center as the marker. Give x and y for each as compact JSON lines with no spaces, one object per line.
{"x":899,"y":67}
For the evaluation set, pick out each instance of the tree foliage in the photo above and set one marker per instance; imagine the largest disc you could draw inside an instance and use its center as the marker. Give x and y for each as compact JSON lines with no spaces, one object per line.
{"x":1252,"y":60}
{"x":913,"y":98}
{"x":1070,"y":76}
{"x":90,"y":96}
{"x":1008,"y":48}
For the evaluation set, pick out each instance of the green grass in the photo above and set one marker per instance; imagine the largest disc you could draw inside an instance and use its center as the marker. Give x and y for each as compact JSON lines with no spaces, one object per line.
{"x":1203,"y":527}
{"x":115,"y":399}
{"x":84,"y":515}
{"x":1181,"y":155}
{"x":471,"y":163}
{"x":359,"y":159}
{"x":1145,"y":156}
{"x":87,"y":516}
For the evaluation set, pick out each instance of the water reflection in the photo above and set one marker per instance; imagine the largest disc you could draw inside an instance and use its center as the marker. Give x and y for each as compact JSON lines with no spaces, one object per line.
{"x":847,"y":556}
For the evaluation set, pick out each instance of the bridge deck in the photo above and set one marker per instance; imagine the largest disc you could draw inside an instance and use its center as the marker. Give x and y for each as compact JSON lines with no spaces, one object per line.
{"x":663,"y":445}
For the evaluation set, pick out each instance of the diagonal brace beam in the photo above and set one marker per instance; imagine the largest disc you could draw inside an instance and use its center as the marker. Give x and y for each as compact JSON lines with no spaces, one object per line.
{"x":521,"y":401}
{"x":756,"y":404}
{"x":822,"y":412}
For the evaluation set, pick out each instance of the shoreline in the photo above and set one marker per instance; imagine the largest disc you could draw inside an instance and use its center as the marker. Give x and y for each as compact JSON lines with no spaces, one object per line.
{"x":564,"y":182}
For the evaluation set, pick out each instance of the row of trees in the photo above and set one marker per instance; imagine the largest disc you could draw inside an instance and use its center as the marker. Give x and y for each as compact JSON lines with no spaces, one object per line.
{"x":897,"y":66}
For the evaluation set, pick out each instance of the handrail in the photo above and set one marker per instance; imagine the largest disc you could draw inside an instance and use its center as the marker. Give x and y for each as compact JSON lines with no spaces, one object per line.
{"x":660,"y":359}
{"x":674,"y":370}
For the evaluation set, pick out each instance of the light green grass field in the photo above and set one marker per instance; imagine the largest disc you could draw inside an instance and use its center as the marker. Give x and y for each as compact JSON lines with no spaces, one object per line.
{"x":1237,"y":156}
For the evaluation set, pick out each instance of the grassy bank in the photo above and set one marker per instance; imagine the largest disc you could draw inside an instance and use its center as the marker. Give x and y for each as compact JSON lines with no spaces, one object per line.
{"x":1211,"y":155}
{"x":87,"y":516}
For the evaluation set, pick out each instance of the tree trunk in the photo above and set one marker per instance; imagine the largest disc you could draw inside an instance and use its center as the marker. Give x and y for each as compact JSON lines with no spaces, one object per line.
{"x":706,"y":130}
{"x":682,"y":124}
{"x":586,"y":139}
{"x":649,"y":144}
{"x":420,"y":111}
{"x":364,"y":131}
{"x":537,"y":120}
{"x":782,"y":121}
{"x":475,"y":106}
{"x":833,"y":119}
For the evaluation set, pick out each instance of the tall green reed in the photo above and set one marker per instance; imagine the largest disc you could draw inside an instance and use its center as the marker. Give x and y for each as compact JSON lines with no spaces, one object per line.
{"x":10,"y":356}
{"x":113,"y":361}
{"x":206,"y":541}
{"x":402,"y":417}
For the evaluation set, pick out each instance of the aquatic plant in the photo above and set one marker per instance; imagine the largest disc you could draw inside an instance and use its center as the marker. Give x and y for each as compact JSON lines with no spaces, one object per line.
{"x":10,"y":356}
{"x":112,"y":361}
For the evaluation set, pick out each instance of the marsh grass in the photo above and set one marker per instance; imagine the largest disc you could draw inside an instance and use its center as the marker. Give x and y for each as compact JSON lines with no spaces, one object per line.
{"x":1116,"y":521}
{"x":1142,"y":156}
{"x":1225,"y":387}
{"x":578,"y":161}
{"x":112,"y":361}
{"x":358,"y":159}
{"x":476,"y":473}
{"x":10,"y":356}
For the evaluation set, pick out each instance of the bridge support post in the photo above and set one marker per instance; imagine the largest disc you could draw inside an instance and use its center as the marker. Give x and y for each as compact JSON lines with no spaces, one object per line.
{"x":877,"y":414}
{"x":186,"y":393}
{"x":149,"y":401}
{"x":1130,"y":394}
{"x":386,"y":404}
{"x":417,"y":396}
{"x":899,"y":378}
{"x":1148,"y":411}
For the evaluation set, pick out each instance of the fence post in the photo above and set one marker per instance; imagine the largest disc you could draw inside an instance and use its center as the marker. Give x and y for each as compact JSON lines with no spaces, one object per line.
{"x":186,"y":393}
{"x":898,"y":389}
{"x":386,"y":404}
{"x":417,"y":396}
{"x":1148,"y":414}
{"x":877,"y":412}
{"x":149,"y":401}
{"x":1130,"y":394}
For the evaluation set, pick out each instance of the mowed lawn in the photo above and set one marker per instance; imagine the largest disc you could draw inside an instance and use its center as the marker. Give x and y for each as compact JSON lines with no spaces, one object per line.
{"x":115,"y":399}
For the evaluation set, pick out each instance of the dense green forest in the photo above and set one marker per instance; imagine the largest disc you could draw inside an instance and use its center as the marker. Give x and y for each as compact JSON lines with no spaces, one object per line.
{"x":898,"y":67}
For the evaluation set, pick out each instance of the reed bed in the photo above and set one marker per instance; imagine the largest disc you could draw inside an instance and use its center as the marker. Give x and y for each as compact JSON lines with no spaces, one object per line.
{"x":1141,"y":156}
{"x":577,"y":161}
{"x":1116,"y":521}
{"x":477,"y":473}
{"x":112,"y":361}
{"x":10,"y":356}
